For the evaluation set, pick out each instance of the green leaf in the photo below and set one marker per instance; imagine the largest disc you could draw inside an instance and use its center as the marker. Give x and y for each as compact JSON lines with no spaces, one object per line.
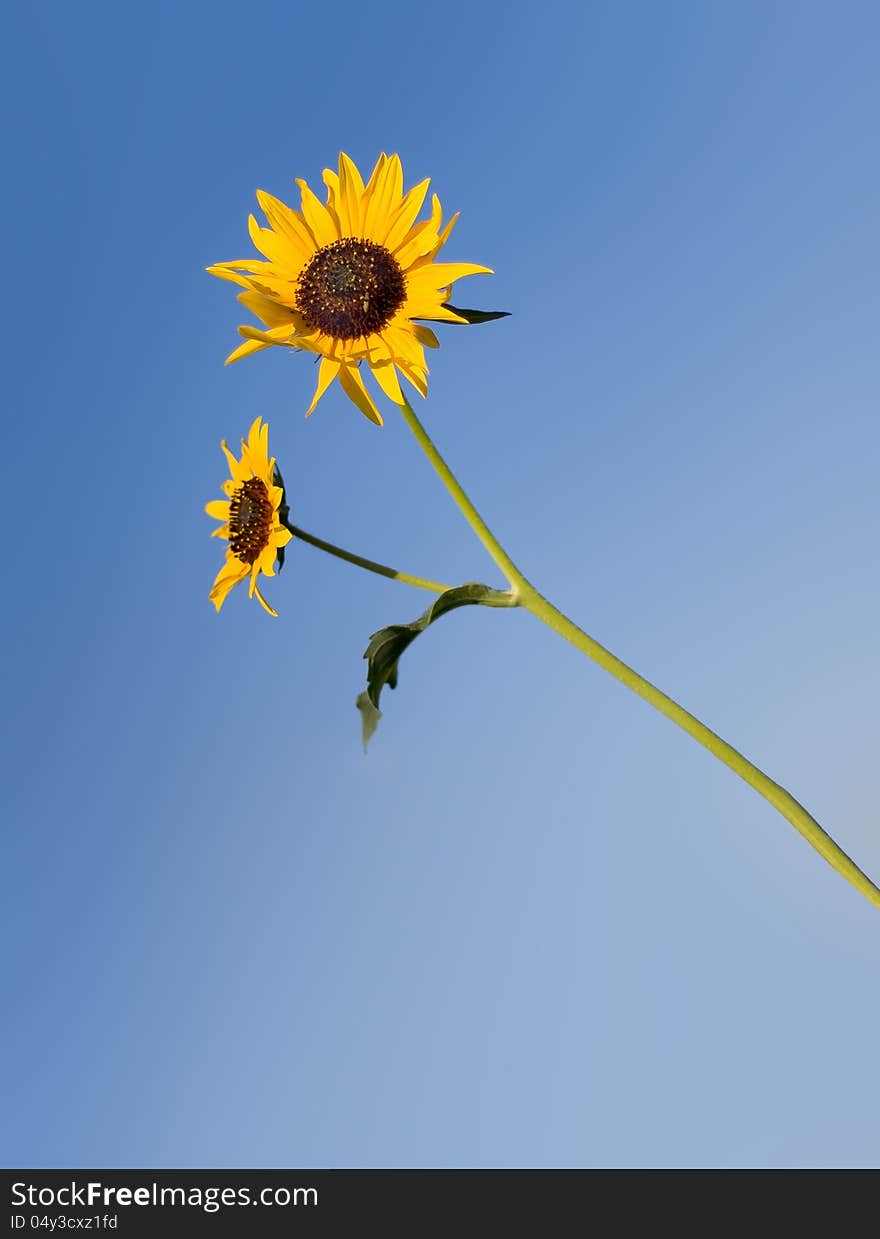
{"x":477,"y":316}
{"x":388,"y":644}
{"x":369,"y":717}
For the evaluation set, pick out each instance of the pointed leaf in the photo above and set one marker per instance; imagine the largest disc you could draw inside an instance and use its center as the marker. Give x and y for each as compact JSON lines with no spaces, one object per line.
{"x":388,"y":644}
{"x":477,"y":316}
{"x":369,"y":718}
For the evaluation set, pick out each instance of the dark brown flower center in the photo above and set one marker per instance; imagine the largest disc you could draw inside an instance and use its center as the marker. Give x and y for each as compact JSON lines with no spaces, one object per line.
{"x":250,"y":520}
{"x":350,"y":289}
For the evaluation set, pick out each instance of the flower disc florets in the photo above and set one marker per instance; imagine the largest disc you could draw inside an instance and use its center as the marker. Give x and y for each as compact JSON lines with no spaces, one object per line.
{"x":350,"y":289}
{"x":251,"y":517}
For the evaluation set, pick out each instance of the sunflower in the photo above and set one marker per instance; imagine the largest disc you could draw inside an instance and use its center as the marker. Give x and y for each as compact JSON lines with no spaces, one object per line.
{"x":250,"y":515}
{"x":346,"y":280}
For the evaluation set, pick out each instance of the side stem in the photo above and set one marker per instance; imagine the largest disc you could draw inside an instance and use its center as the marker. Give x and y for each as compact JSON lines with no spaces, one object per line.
{"x":434,"y":587}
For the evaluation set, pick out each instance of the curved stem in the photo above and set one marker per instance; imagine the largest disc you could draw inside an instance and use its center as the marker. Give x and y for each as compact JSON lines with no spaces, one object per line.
{"x":550,"y":615}
{"x":435,"y":587}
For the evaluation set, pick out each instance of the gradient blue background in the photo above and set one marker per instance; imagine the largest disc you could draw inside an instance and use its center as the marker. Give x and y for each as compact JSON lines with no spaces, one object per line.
{"x":536,"y":925}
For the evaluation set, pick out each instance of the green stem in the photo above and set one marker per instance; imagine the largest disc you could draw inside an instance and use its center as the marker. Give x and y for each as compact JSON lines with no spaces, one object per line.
{"x":472,"y":516}
{"x":435,"y":587}
{"x":550,"y":615}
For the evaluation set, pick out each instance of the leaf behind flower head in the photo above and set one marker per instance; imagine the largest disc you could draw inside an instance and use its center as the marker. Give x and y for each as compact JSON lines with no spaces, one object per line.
{"x":476,"y":316}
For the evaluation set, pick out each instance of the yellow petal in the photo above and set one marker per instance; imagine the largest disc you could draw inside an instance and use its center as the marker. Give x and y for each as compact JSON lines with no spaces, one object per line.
{"x":378,"y":350}
{"x":238,"y":469}
{"x":351,"y":192}
{"x":287,"y":222}
{"x":252,"y":265}
{"x":444,"y":235}
{"x":272,"y":283}
{"x":264,"y":603}
{"x":272,"y":314}
{"x":257,"y":447}
{"x":394,"y":175}
{"x":229,"y":575}
{"x":327,"y":372}
{"x":422,"y":238}
{"x":402,"y":342}
{"x":312,"y":341}
{"x":428,"y":258}
{"x":415,"y":375}
{"x":276,"y":247}
{"x":371,"y":188}
{"x":384,"y":200}
{"x":353,"y":386}
{"x":405,"y":216}
{"x":226,"y":273}
{"x":318,"y":218}
{"x":218,"y":508}
{"x":245,"y":350}
{"x":386,"y":377}
{"x":266,"y":561}
{"x":335,"y":204}
{"x":277,"y":335}
{"x":435,"y":313}
{"x":442,"y":274}
{"x":376,"y":173}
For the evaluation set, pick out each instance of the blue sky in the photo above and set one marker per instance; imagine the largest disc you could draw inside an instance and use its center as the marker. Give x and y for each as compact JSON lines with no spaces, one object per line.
{"x":536,"y":925}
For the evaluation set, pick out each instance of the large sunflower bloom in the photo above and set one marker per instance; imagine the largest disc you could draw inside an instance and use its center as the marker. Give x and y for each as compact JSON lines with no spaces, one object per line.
{"x":348,"y":279}
{"x":250,"y":516}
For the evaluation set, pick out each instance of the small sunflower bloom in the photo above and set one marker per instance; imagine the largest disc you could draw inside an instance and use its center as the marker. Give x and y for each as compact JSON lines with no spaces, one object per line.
{"x":250,"y":515}
{"x":346,"y":280}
